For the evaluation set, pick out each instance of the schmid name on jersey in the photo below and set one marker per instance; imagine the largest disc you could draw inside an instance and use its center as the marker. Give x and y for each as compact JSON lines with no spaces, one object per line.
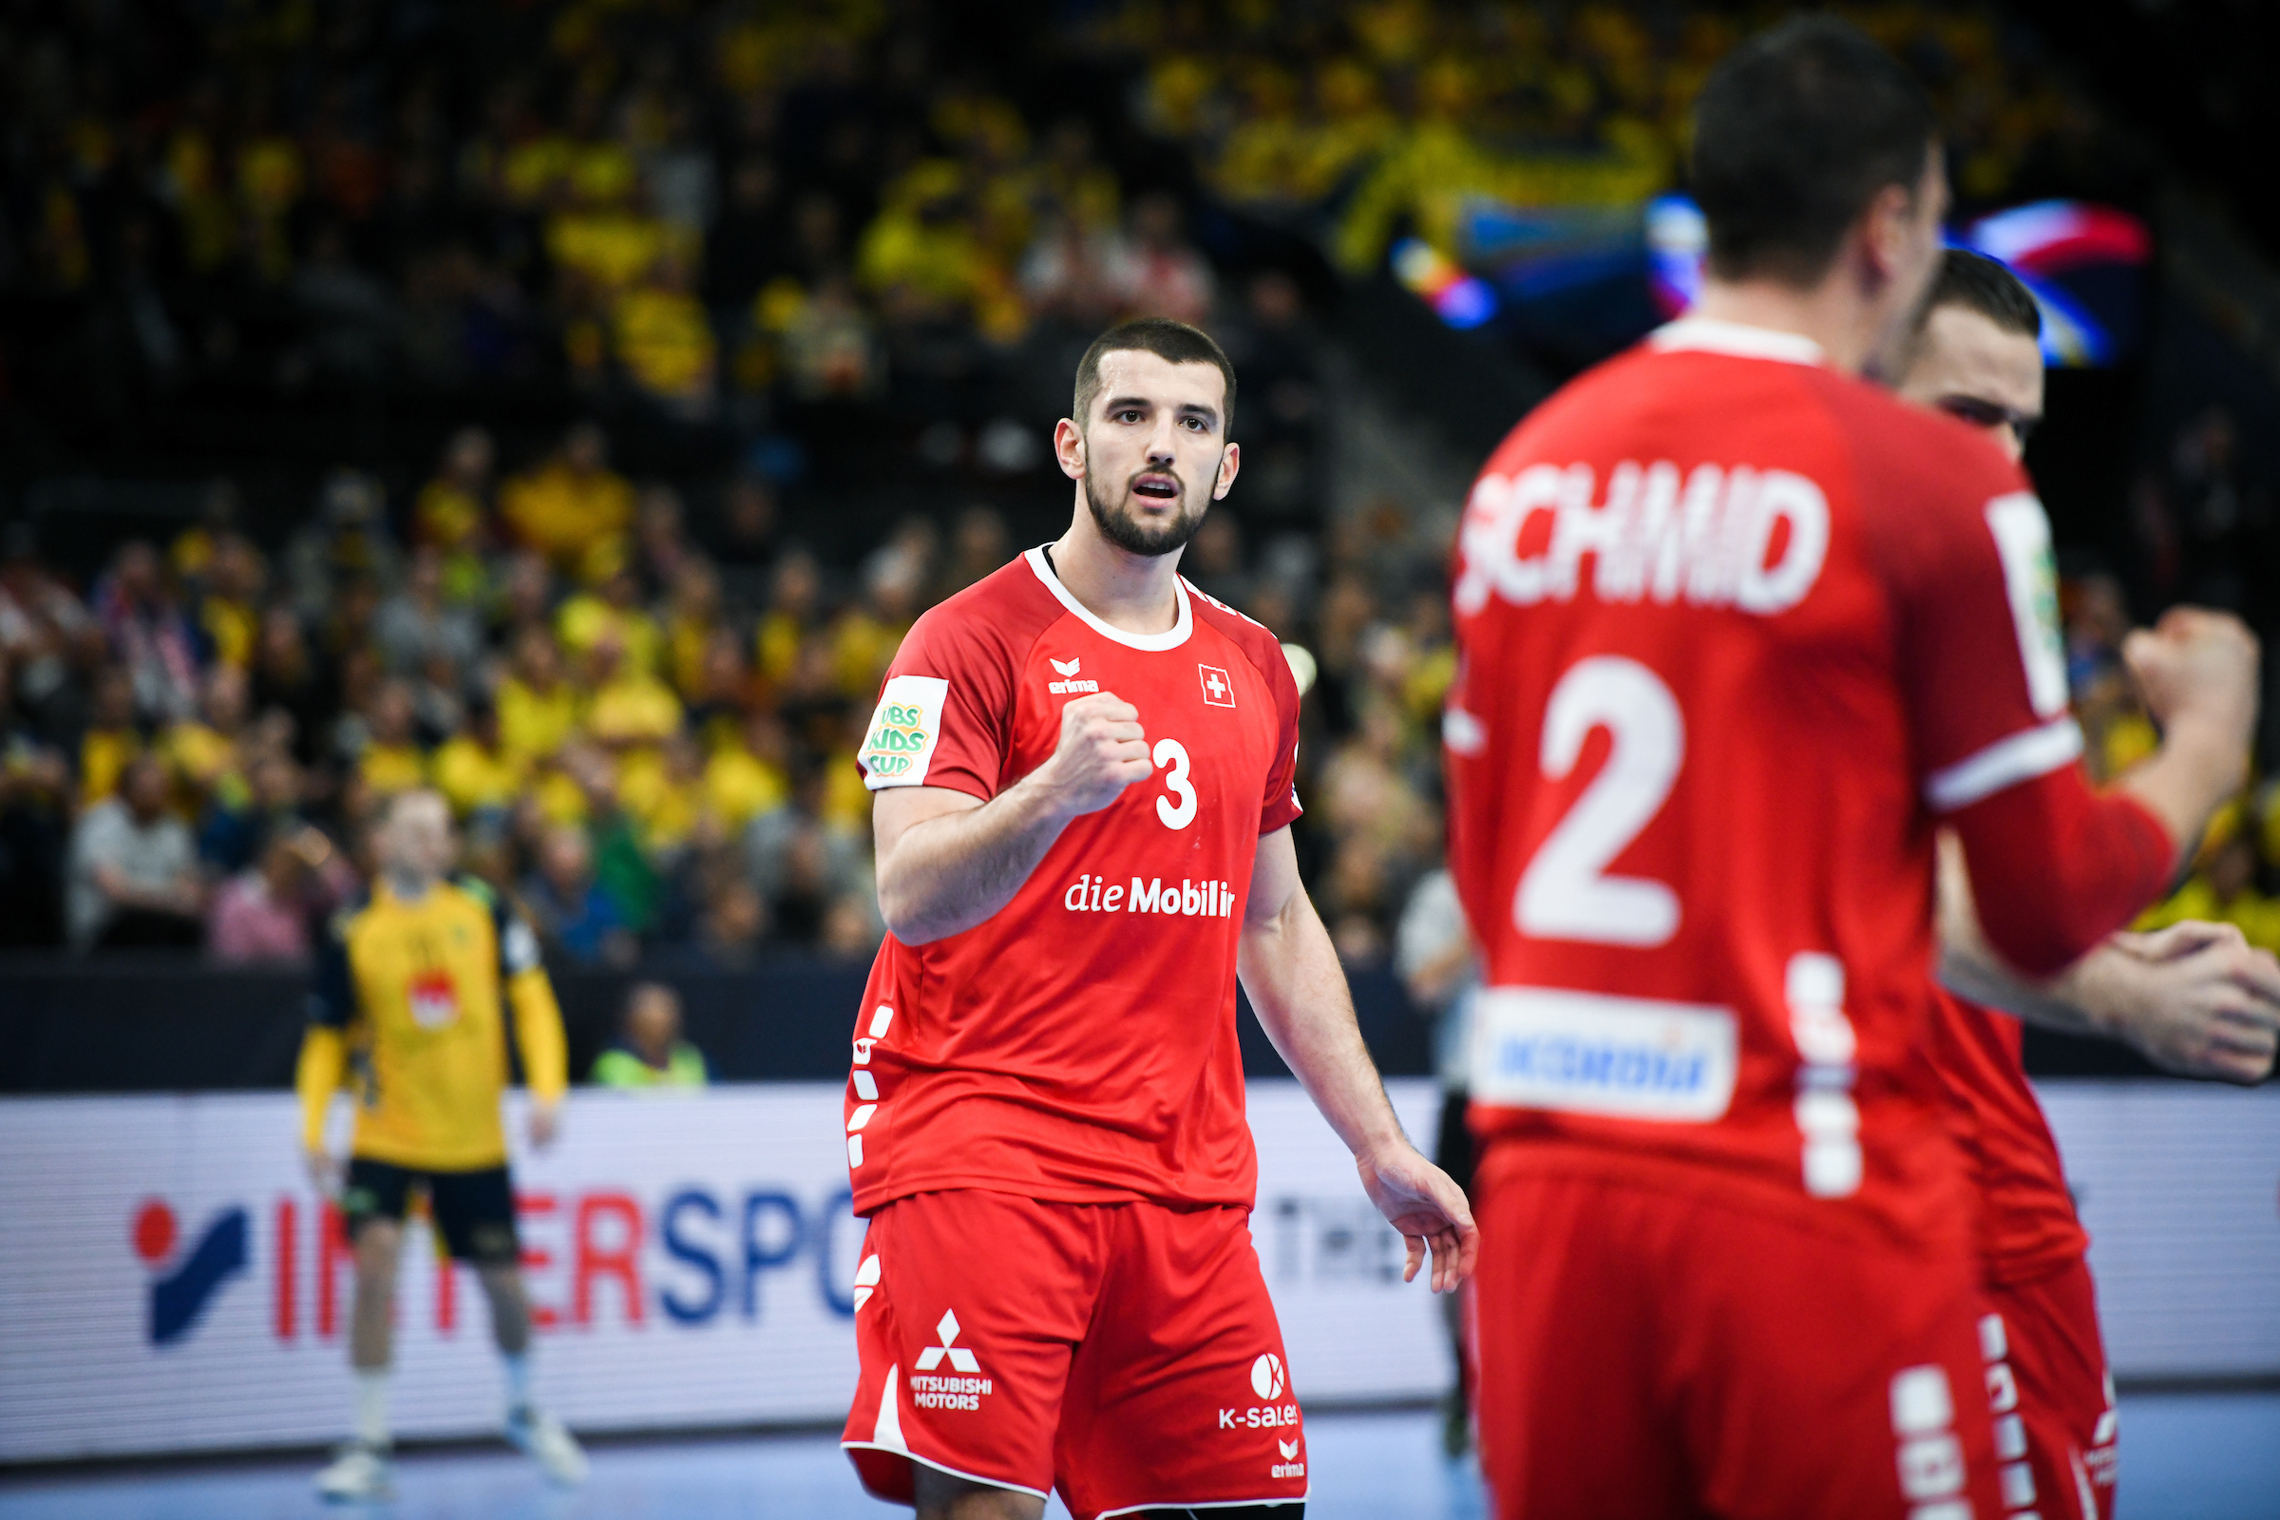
{"x":1182,"y":898}
{"x":1739,"y":537}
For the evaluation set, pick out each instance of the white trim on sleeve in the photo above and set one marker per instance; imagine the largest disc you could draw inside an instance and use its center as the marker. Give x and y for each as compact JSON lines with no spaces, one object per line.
{"x":2023,"y":756}
{"x":1172,"y":638}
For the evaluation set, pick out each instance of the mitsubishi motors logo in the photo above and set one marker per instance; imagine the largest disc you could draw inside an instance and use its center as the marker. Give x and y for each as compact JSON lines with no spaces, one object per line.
{"x":961,"y":1360}
{"x":932,"y":1390}
{"x":1267,"y":1376}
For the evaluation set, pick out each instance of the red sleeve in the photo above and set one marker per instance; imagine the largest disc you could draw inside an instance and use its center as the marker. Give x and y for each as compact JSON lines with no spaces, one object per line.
{"x":1975,"y":597}
{"x":1280,"y":806}
{"x":1965,"y":553}
{"x":946,"y":710}
{"x":2056,"y":867}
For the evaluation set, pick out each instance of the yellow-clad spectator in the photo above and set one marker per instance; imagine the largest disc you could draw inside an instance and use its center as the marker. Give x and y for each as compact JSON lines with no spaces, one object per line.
{"x":663,"y":340}
{"x":650,"y":1055}
{"x":752,"y":776}
{"x":2222,"y":889}
{"x":229,"y":615}
{"x":554,"y":794}
{"x":112,"y":741}
{"x":202,"y":753}
{"x":611,"y":247}
{"x":574,"y":508}
{"x":866,"y":636}
{"x":629,"y":707}
{"x":922,"y":258}
{"x":663,"y":791}
{"x":611,"y":611}
{"x":390,"y":761}
{"x":473,"y":768}
{"x":794,"y":603}
{"x":452,"y":513}
{"x":692,"y":621}
{"x":538,"y":709}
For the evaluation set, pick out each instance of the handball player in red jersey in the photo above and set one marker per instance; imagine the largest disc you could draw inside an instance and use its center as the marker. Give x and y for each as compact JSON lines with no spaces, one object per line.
{"x":2195,"y":998}
{"x":1083,"y":770}
{"x":1737,"y":631}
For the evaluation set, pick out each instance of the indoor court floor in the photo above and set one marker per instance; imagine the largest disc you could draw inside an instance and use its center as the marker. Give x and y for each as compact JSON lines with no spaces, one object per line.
{"x":2184,"y":1457}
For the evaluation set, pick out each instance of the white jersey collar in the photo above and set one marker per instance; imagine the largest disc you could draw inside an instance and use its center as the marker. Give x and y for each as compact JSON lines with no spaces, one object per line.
{"x":1171,"y":638}
{"x":1710,"y":335}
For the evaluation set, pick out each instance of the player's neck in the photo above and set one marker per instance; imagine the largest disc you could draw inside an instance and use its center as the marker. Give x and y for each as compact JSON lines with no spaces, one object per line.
{"x":405,"y":888}
{"x":1831,"y":313}
{"x":1132,"y":592}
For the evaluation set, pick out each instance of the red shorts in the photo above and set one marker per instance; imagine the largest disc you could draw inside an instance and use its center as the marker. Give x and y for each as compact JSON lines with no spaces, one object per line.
{"x":1646,"y":1352}
{"x":2051,"y":1395}
{"x":1125,"y":1353}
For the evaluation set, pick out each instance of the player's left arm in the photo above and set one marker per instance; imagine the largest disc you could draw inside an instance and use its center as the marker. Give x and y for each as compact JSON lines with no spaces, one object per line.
{"x":538,"y":1024}
{"x":1291,"y":972}
{"x":2195,"y":999}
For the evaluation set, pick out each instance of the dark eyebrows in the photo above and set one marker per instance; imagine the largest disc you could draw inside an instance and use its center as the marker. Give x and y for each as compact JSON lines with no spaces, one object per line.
{"x":1117,"y":404}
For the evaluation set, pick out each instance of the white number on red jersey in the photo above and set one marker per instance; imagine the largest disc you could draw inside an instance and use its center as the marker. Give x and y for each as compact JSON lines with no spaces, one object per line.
{"x":1176,"y":815}
{"x":1566,"y":892}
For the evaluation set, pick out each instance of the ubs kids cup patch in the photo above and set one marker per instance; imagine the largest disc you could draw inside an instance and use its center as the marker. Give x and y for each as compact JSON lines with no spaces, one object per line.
{"x":904,"y":731}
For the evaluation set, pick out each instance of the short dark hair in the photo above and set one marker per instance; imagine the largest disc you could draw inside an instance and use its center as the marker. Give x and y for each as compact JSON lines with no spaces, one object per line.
{"x":1173,"y":341}
{"x":1978,"y":283}
{"x":1795,"y":133}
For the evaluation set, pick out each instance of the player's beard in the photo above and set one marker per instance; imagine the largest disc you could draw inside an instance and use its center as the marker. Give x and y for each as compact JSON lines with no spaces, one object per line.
{"x":1133,"y":536}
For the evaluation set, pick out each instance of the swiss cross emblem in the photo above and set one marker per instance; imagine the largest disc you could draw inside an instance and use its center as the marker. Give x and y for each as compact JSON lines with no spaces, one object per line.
{"x":1218,"y":691}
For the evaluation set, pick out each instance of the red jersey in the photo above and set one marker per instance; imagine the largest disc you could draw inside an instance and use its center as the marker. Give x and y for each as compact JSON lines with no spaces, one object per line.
{"x":1733,"y":629}
{"x":1079,"y":1045}
{"x":2027,"y":1223}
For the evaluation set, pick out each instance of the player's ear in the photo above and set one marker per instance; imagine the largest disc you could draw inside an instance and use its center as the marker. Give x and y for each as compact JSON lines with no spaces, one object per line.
{"x":1230,"y":460}
{"x":1069,"y":448}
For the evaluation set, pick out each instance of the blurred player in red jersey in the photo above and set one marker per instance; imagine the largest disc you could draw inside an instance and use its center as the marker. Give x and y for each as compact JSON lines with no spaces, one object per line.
{"x":1083,"y":770}
{"x":1736,"y":631}
{"x":2195,"y":998}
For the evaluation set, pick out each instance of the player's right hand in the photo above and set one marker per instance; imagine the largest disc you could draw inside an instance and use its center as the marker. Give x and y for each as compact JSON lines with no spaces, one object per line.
{"x":2198,"y":667}
{"x":325,"y":1173}
{"x":2211,"y":1006}
{"x":1102,"y":751}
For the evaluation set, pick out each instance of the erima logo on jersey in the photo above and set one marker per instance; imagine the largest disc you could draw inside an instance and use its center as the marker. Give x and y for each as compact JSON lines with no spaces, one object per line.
{"x":1718,"y":537}
{"x":1187,"y":899}
{"x":1068,"y":682}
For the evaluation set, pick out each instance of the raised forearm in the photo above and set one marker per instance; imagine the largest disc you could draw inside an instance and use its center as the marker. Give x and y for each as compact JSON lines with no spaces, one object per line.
{"x":2085,"y":998}
{"x":1296,"y":986}
{"x":951,"y":872}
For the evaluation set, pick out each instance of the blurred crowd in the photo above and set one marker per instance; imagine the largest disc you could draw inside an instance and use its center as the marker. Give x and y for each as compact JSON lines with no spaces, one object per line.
{"x":636,"y":755}
{"x":1361,"y":118}
{"x":646,"y":726}
{"x":709,"y":211}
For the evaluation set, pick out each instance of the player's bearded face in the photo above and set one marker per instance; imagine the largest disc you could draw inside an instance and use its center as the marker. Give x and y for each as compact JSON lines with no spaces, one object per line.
{"x":1116,"y":511}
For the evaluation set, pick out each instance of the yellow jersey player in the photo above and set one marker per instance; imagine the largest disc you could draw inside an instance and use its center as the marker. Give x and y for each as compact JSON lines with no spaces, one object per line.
{"x":409,"y":1013}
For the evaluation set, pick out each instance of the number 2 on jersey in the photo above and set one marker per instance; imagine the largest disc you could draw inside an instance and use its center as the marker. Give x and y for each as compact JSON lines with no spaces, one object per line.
{"x":1176,"y":815}
{"x":1566,"y":891}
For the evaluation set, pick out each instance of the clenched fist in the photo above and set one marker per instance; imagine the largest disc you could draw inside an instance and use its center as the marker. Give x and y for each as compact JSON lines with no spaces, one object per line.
{"x":1102,"y":751}
{"x":2198,"y":668}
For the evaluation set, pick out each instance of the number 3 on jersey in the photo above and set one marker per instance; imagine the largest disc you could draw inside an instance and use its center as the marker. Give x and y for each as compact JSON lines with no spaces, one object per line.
{"x":1175,"y":814}
{"x":1566,"y":891}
